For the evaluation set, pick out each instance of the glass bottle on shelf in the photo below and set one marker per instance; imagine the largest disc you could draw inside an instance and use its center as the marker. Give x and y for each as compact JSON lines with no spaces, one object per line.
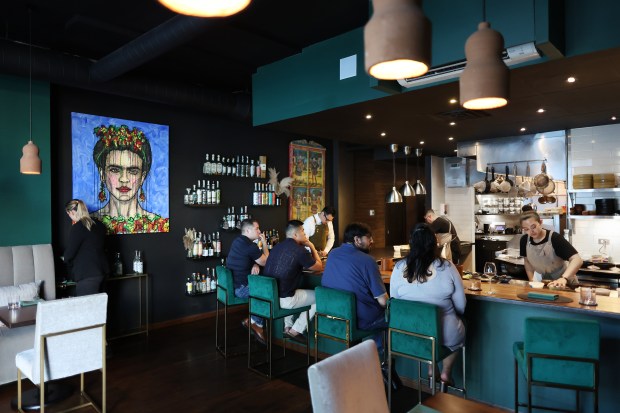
{"x":188,"y":286}
{"x":252,"y":169}
{"x":220,"y":167}
{"x":208,"y":283}
{"x":258,"y":169}
{"x":138,"y":264}
{"x":213,"y":280}
{"x":217,"y":193}
{"x":205,"y":247}
{"x":218,"y":244}
{"x":118,"y":265}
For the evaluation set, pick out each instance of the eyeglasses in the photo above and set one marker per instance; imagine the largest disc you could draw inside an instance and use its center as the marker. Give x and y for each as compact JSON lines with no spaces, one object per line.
{"x":531,"y":227}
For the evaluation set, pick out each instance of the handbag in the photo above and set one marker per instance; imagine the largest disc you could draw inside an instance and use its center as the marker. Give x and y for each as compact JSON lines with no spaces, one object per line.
{"x":443,"y":242}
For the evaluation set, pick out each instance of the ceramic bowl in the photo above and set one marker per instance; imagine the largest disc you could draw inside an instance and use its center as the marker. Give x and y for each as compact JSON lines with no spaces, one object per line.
{"x":537,"y":284}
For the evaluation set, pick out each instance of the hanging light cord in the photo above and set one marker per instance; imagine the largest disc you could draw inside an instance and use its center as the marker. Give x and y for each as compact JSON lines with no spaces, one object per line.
{"x":30,"y":68}
{"x":484,"y":10}
{"x":406,"y":169}
{"x":394,"y":168}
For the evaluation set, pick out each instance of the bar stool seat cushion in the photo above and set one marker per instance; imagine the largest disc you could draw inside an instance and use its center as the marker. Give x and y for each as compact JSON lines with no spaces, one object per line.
{"x":226,"y":294}
{"x":266,"y":288}
{"x":559,"y":337}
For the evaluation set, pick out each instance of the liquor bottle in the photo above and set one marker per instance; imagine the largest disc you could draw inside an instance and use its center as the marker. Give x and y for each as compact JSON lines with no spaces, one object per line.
{"x":247,"y":166}
{"x":252,"y":169}
{"x":218,"y":244}
{"x":199,"y":242}
{"x":211,"y":247}
{"x":118,"y":265}
{"x":138,"y":265}
{"x":258,"y":169}
{"x":231,"y":218}
{"x":205,"y":166}
{"x":198,"y":193}
{"x":188,"y":286}
{"x":273,"y":195}
{"x":219,"y":167}
{"x":230,"y":167}
{"x":208,"y":286}
{"x":213,"y":280}
{"x":217,"y":193}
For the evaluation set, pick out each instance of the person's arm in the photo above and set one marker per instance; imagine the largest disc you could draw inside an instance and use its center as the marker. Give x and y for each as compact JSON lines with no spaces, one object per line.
{"x":529,"y":270}
{"x":309,"y":226}
{"x":458,"y":296}
{"x":574,"y":263}
{"x":331,"y":237}
{"x":263,"y":258}
{"x":382,"y":300}
{"x":317,"y":266}
{"x":76,"y":237}
{"x":565,"y":250}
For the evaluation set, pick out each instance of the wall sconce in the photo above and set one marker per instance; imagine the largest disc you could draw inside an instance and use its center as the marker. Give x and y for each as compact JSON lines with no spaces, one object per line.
{"x":206,"y":8}
{"x":397,"y":40}
{"x":394,"y":196}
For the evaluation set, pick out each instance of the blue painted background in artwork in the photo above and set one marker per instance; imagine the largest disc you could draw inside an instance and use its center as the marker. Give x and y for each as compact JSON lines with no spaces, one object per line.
{"x":85,"y":175}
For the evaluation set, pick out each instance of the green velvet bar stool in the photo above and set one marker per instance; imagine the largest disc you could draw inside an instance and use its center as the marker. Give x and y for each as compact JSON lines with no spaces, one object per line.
{"x":336,"y":318}
{"x":264,"y":302}
{"x":226,"y":296}
{"x":415,"y":332}
{"x":561,"y":353}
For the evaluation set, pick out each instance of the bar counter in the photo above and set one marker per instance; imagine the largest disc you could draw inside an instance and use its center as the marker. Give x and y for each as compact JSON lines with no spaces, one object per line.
{"x":495,"y":322}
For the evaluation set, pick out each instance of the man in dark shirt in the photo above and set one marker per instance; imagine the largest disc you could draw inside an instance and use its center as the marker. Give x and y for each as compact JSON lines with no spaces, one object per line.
{"x":442,"y":225}
{"x":351,"y":268}
{"x":246,"y":258}
{"x":286,"y":262}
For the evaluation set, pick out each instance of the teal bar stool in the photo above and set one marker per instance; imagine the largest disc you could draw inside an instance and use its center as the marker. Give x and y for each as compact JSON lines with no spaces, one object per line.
{"x":336,"y":318}
{"x":264,"y":302}
{"x":415,"y":332}
{"x":226,"y":296}
{"x":560,"y":353}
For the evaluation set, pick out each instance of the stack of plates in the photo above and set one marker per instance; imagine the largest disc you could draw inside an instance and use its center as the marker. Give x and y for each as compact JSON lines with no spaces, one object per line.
{"x":604,"y":180}
{"x":605,"y":206}
{"x":583,"y":181}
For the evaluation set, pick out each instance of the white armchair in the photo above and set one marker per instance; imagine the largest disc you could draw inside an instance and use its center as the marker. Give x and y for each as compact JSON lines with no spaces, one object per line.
{"x":348,"y":382}
{"x":69,"y":340}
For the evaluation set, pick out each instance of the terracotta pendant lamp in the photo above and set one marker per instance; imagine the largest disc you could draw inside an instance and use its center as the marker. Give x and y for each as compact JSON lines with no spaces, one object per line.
{"x":418,"y":187}
{"x":30,"y":163}
{"x":397,"y":40}
{"x":206,"y":8}
{"x":485,"y":81}
{"x":407,"y":189}
{"x":394,"y":197}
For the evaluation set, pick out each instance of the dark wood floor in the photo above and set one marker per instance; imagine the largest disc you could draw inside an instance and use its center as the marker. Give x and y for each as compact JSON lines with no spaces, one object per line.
{"x":178,"y":370}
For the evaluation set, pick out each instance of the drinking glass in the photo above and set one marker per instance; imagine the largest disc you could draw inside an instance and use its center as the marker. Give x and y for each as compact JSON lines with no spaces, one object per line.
{"x":490,"y":271}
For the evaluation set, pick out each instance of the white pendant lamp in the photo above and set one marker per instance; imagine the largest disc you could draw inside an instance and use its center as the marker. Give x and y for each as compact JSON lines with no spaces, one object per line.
{"x":407,"y":189}
{"x":418,"y":187}
{"x":206,"y":8}
{"x":393,"y":197}
{"x":30,"y":163}
{"x":397,"y":40}
{"x":485,"y":81}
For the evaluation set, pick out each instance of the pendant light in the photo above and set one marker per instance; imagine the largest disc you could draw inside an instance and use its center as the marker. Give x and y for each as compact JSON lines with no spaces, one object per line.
{"x":485,"y":81}
{"x":206,"y":8}
{"x":397,"y":40}
{"x":394,"y":197}
{"x":418,"y":187}
{"x":407,"y":189}
{"x":30,"y":163}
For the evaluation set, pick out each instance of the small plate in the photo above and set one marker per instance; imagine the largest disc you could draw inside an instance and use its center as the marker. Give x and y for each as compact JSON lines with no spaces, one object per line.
{"x":474,"y":289}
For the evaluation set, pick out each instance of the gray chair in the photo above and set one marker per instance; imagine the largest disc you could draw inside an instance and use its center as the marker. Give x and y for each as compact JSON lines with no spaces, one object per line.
{"x":349,"y":382}
{"x":69,"y":340}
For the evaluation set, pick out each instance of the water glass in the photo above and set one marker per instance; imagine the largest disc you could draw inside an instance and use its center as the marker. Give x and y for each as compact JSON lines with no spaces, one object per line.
{"x":13,"y":302}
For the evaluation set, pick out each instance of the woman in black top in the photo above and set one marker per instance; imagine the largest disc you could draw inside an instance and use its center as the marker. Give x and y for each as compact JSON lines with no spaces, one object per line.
{"x":84,"y":254}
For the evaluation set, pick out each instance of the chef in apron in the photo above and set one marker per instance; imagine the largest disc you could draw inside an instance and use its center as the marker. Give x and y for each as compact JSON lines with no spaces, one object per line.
{"x":320,"y":230}
{"x":548,"y":253}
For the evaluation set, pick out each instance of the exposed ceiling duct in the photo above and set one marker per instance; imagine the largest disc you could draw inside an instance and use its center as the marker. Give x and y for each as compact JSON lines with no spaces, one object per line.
{"x":163,"y":38}
{"x":74,"y":71}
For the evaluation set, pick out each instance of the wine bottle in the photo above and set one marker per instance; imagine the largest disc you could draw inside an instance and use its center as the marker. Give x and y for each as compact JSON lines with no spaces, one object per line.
{"x":218,"y":244}
{"x":217,"y":193}
{"x":219,"y":167}
{"x":188,"y":286}
{"x":205,"y":166}
{"x":118,"y":265}
{"x":213,"y":280}
{"x":252,"y":169}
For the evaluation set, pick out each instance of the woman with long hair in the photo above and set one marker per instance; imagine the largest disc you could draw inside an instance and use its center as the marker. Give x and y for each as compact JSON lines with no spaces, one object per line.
{"x":84,"y":254}
{"x":425,"y":276}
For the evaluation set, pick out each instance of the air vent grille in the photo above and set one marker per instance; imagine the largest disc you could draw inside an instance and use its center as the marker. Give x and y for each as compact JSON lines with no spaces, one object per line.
{"x":462,"y":114}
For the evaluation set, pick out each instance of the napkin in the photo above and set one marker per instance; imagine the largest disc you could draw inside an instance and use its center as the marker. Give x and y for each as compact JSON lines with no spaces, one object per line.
{"x":543,"y":296}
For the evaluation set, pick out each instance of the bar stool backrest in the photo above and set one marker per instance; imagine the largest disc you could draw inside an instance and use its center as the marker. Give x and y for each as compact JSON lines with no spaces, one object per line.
{"x":341,"y":304}
{"x":265,"y":289}
{"x":567,"y":338}
{"x":415,"y":317}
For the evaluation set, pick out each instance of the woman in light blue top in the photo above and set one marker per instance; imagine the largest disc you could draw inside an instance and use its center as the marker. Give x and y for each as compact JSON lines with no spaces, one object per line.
{"x":425,"y":276}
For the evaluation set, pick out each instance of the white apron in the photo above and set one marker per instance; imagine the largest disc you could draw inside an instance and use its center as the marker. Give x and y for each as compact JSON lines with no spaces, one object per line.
{"x":543,"y":259}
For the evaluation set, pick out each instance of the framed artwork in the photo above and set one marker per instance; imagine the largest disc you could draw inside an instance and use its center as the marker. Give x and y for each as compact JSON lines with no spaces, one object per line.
{"x":307,"y":168}
{"x":120,"y":171}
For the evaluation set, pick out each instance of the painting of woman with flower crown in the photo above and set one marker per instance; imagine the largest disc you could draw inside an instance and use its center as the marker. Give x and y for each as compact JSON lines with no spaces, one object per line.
{"x":120,"y":169}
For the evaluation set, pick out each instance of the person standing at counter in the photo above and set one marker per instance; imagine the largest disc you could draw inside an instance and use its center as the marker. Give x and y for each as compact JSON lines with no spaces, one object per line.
{"x":548,"y":253}
{"x":85,"y":254}
{"x":245,"y":258}
{"x":286,"y":262}
{"x":442,"y":225}
{"x":320,"y":230}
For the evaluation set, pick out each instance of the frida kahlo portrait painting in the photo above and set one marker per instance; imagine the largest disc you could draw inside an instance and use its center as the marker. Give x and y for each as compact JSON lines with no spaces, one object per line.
{"x":120,"y":170}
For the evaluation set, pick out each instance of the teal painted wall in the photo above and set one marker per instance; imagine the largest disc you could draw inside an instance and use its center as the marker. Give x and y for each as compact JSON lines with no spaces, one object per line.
{"x":25,"y":200}
{"x":309,"y":82}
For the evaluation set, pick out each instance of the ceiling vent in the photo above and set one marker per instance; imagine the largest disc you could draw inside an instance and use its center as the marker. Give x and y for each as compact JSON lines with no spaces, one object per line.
{"x":511,"y":56}
{"x":461,"y":114}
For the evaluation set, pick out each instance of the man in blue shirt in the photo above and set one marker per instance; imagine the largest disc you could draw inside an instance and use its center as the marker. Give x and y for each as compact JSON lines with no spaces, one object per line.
{"x":286,"y":262}
{"x":351,"y":268}
{"x":246,"y":258}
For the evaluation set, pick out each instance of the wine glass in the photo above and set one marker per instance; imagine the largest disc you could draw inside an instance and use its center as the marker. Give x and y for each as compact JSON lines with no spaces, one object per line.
{"x":490,"y":271}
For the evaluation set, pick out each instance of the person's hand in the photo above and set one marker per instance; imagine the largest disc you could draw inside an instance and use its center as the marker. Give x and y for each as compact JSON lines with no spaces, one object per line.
{"x":262,"y":239}
{"x":255,"y":269}
{"x":308,"y":243}
{"x":560,"y":282}
{"x":322,"y":253}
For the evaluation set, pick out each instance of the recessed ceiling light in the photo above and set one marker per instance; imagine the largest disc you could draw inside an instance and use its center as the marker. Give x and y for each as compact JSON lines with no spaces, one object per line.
{"x":421,"y":142}
{"x":541,"y":110}
{"x":522,"y":129}
{"x":456,"y":150}
{"x":613,"y":118}
{"x":452,"y":123}
{"x":450,"y":138}
{"x":383,"y":133}
{"x":571,"y":79}
{"x":369,"y":116}
{"x":453,"y":101}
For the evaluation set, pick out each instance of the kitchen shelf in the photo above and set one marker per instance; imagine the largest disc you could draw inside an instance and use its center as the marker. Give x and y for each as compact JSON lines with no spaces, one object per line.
{"x":594,"y":190}
{"x":595,"y":217}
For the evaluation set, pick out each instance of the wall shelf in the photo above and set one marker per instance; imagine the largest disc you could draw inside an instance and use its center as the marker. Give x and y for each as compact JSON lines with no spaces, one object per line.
{"x":595,"y":217}
{"x":204,"y":205}
{"x":205,"y":258}
{"x":594,"y":190}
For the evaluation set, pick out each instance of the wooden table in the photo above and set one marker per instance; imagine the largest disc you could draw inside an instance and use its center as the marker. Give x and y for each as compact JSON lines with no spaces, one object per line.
{"x":24,"y":316}
{"x":447,"y":403}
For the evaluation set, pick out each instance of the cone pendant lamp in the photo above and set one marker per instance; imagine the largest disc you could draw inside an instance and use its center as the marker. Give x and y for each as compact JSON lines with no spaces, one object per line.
{"x":407,"y":189}
{"x":397,"y":40}
{"x":485,"y":81}
{"x":393,"y":197}
{"x":418,"y":187}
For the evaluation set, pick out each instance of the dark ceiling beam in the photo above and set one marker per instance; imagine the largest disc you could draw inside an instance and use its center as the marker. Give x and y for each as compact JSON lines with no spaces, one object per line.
{"x":163,"y":38}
